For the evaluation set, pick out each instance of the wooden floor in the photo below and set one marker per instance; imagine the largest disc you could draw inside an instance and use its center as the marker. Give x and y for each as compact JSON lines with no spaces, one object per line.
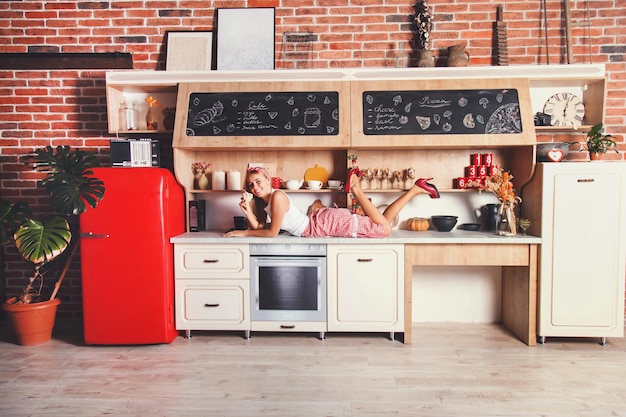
{"x":450,"y":370}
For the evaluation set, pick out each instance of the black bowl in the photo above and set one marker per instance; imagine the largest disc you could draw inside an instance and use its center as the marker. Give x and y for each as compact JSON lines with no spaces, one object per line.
{"x":443,"y":223}
{"x":470,"y":226}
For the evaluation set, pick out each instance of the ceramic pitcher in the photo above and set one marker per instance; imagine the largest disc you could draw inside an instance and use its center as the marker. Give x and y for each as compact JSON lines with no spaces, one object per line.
{"x":458,"y":56}
{"x":489,"y":214}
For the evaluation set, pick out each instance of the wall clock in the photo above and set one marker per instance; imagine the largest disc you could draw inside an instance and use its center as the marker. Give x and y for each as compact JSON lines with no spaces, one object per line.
{"x":565,"y":109}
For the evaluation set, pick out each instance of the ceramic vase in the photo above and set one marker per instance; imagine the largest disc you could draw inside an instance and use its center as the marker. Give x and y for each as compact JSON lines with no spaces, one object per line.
{"x":457,"y":56}
{"x":426,"y":58}
{"x":168,"y":122}
{"x":203,"y":182}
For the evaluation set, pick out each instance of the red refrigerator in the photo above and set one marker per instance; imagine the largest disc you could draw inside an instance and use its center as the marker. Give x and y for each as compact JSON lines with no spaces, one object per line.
{"x":127,"y":259}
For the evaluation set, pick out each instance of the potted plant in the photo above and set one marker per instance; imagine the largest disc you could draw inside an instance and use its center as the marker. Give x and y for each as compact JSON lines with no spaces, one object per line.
{"x":41,"y":241}
{"x":599,"y":143}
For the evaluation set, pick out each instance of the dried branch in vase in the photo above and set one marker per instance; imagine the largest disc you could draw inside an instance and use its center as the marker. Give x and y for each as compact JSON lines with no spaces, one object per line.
{"x":421,"y":24}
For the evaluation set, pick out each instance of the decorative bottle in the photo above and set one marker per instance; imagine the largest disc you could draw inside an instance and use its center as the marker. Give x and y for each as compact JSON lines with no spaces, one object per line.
{"x":152,"y":121}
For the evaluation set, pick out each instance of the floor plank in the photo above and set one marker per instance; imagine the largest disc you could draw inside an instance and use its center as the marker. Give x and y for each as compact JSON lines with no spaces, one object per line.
{"x":451,"y":369}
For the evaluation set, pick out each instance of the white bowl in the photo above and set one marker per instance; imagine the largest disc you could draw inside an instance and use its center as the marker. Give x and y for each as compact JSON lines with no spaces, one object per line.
{"x":292,"y":184}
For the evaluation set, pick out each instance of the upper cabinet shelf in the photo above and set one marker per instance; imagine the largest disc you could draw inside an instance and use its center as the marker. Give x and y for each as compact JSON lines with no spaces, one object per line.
{"x":328,"y":109}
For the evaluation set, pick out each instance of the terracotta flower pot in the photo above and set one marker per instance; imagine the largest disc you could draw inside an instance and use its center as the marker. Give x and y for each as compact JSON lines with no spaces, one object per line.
{"x":32,"y":323}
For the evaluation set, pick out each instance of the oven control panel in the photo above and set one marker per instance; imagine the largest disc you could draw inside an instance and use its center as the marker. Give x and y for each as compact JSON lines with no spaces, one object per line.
{"x":286,"y":249}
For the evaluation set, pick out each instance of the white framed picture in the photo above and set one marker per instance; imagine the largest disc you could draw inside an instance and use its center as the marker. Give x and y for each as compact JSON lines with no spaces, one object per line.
{"x":245,"y":38}
{"x":189,"y":50}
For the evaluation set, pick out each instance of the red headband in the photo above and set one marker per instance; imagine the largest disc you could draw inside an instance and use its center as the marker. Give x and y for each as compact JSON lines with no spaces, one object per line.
{"x":258,"y":169}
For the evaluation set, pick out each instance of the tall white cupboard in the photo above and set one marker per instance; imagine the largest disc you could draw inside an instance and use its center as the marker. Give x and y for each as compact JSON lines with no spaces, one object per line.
{"x":579,"y":210}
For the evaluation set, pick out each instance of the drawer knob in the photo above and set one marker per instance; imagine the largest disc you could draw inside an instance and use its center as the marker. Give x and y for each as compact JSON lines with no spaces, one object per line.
{"x":212,"y":305}
{"x":364,"y":260}
{"x":210,"y":261}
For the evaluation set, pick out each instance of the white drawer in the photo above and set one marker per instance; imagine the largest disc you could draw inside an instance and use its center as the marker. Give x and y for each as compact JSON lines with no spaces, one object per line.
{"x":212,"y":261}
{"x":213,"y":307}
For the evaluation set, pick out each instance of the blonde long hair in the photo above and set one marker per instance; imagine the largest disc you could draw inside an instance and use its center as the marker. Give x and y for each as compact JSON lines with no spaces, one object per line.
{"x":258,"y":204}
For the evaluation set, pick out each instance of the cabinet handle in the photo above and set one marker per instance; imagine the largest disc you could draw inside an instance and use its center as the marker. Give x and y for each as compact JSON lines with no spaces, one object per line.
{"x":586,"y":180}
{"x":212,"y":305}
{"x":287,"y":326}
{"x":364,"y":260}
{"x":210,"y":261}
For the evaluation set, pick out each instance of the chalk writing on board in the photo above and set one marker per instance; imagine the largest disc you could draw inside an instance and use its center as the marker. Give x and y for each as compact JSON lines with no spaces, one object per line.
{"x":441,"y":112}
{"x":263,"y":114}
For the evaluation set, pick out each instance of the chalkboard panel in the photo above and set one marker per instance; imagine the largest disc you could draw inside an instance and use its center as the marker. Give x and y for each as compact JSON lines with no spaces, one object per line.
{"x":441,"y":112}
{"x":263,"y":114}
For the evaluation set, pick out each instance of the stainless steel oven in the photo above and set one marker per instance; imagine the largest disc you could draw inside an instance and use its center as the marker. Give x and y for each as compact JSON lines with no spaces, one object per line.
{"x":288,"y":287}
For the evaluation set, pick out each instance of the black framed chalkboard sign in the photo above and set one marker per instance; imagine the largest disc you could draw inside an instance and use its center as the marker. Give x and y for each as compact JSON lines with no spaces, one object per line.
{"x":441,"y":112}
{"x":268,"y":114}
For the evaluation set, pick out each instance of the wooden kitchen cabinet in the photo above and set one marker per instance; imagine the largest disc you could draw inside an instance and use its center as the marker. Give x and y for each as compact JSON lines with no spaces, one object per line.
{"x":293,"y":153}
{"x":365,"y":288}
{"x":578,"y":210}
{"x":212,"y":286}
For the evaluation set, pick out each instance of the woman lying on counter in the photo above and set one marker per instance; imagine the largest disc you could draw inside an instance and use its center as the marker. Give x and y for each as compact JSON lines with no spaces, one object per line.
{"x":320,"y":221}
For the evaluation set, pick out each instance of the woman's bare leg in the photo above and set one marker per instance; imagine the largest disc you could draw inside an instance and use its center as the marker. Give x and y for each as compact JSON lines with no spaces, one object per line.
{"x":371,"y":211}
{"x":398,"y":204}
{"x":367,"y":206}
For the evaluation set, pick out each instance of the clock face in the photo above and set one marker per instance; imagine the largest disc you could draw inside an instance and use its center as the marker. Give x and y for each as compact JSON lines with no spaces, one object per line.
{"x":565,"y":109}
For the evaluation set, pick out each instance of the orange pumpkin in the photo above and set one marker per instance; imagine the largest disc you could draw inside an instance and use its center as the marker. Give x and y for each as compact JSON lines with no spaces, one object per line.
{"x":418,"y":224}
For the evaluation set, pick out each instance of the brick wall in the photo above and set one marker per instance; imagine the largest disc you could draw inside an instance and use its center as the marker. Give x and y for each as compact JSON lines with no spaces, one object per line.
{"x":41,"y":107}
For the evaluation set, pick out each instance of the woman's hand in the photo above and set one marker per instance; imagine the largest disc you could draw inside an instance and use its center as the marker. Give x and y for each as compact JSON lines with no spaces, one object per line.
{"x":235,"y":233}
{"x":246,"y":208}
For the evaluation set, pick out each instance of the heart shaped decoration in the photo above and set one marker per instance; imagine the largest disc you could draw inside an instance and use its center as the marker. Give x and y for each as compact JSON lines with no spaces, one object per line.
{"x":555,"y":155}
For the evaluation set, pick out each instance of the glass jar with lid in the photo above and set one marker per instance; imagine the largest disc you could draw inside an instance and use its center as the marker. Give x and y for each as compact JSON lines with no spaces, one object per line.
{"x":128,"y":117}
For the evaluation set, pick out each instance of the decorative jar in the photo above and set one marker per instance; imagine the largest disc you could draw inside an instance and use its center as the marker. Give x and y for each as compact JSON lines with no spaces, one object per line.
{"x":128,"y":117}
{"x":507,"y":223}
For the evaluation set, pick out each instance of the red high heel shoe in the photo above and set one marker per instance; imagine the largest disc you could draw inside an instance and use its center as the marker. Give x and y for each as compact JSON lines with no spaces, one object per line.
{"x":430,"y":188}
{"x":356,"y":171}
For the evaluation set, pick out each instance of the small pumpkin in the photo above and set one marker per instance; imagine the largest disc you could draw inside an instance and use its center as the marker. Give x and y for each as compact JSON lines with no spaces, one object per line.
{"x":418,"y":224}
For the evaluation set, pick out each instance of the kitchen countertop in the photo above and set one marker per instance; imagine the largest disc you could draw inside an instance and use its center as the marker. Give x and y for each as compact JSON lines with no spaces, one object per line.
{"x":397,"y":236}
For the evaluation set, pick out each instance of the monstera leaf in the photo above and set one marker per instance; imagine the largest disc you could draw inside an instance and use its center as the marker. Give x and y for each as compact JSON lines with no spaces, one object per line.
{"x":11,"y":217}
{"x":42,"y":241}
{"x":68,"y":178}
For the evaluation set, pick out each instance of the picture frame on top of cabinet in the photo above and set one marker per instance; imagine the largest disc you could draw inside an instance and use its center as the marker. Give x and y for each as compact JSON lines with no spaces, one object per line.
{"x":189,"y":50}
{"x":245,"y":38}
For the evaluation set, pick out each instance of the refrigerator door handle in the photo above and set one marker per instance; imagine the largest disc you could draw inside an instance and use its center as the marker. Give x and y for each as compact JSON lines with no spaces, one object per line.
{"x":92,"y":235}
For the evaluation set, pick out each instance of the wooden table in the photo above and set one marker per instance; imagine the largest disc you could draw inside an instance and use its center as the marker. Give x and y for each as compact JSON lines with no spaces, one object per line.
{"x":519,"y":279}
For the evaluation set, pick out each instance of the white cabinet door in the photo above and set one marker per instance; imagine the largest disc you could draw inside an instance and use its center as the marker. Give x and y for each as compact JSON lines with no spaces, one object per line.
{"x":580,"y":209}
{"x":365,"y":287}
{"x":584,"y":279}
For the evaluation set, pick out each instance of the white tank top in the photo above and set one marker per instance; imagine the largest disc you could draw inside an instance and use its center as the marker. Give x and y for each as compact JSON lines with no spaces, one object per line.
{"x":294,"y":220}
